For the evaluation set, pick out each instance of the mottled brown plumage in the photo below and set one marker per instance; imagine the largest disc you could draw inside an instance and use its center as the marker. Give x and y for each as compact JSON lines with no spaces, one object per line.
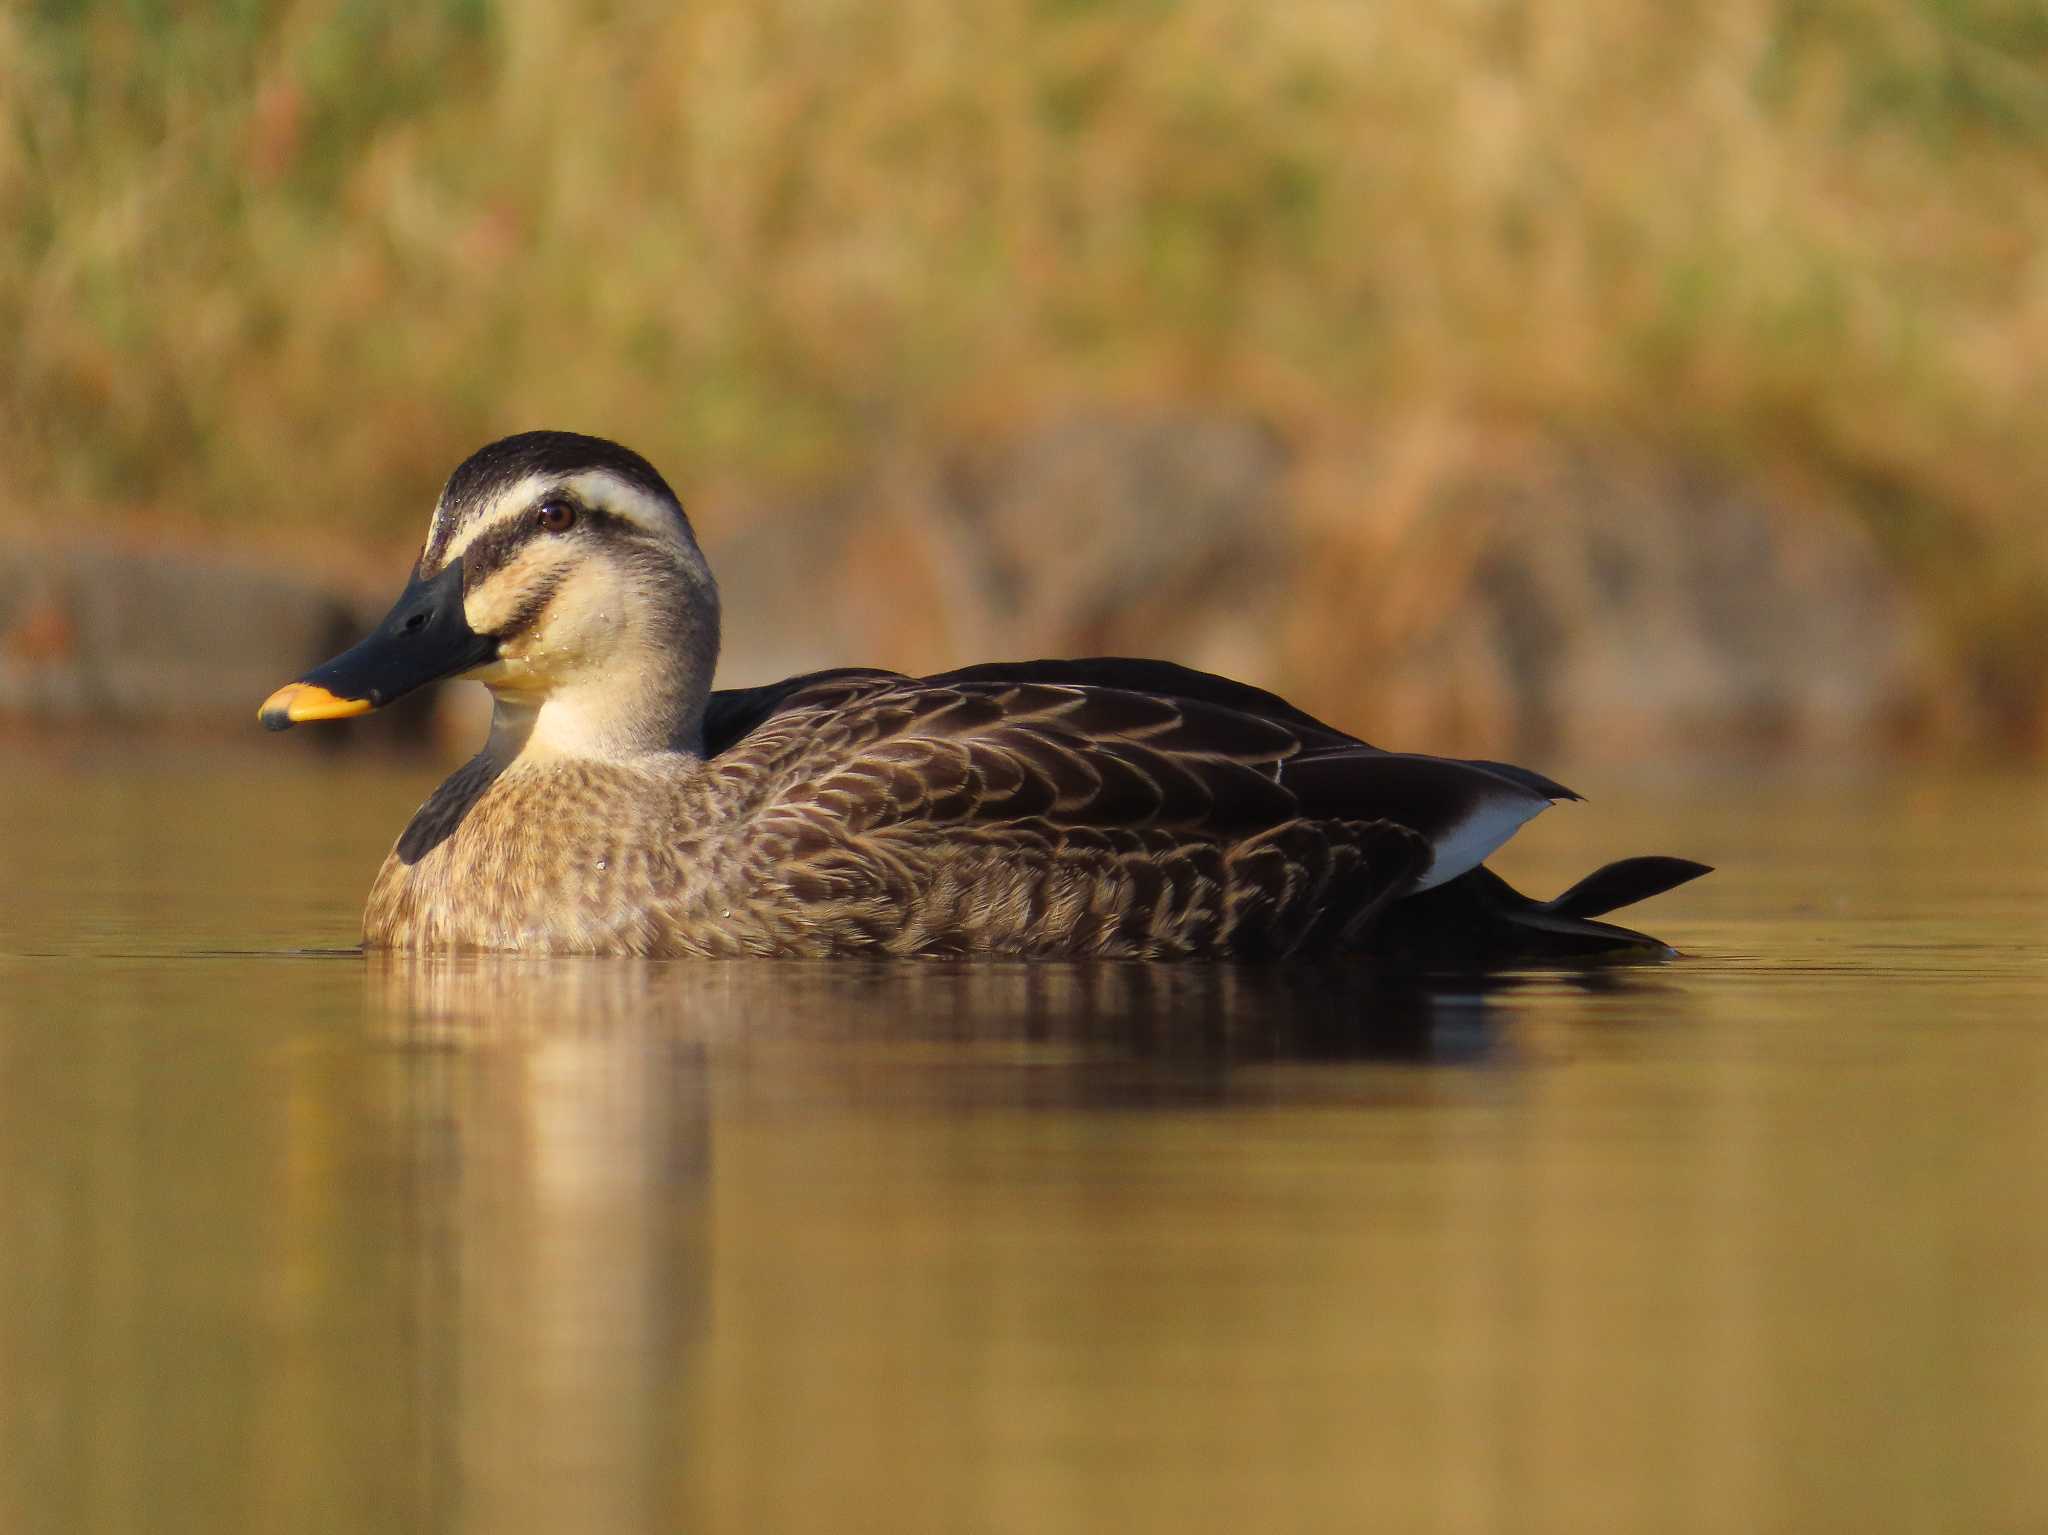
{"x":889,"y":816}
{"x":1106,"y":808}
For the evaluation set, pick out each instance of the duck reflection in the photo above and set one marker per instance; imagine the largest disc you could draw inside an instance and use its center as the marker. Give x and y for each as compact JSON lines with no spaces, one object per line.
{"x":554,"y":1234}
{"x":1079,"y":1012}
{"x":562,"y":1123}
{"x":1069,"y":1035}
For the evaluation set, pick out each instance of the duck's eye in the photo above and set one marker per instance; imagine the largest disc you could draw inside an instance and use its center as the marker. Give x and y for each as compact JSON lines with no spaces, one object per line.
{"x":556,"y":515}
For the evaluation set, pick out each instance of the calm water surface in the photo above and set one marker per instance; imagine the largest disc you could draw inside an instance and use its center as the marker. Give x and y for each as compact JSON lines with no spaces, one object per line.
{"x":295,"y":1240}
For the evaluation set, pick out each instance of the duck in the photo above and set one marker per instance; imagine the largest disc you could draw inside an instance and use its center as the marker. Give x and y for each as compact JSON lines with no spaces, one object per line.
{"x":1100,"y":808}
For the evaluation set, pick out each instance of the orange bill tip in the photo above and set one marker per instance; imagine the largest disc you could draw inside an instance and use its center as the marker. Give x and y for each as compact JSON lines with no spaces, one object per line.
{"x":298,"y":702}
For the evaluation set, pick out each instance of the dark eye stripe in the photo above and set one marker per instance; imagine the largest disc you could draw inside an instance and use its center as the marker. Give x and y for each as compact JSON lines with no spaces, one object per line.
{"x":495,"y":549}
{"x":491,"y":551}
{"x":606,"y":522}
{"x":528,"y":613}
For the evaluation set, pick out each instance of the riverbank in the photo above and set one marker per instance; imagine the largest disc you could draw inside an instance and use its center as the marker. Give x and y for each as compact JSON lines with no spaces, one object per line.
{"x":266,"y":276}
{"x":1509,"y":596}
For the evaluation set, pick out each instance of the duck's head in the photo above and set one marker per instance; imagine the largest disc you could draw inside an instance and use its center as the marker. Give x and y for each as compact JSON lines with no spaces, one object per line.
{"x":560,"y":572}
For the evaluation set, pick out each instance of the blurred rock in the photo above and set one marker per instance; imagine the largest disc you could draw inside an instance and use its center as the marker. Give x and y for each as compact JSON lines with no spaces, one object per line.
{"x":1614,"y":606}
{"x":1112,"y":534}
{"x":782,"y":588}
{"x":119,"y":636}
{"x":1138,"y":532}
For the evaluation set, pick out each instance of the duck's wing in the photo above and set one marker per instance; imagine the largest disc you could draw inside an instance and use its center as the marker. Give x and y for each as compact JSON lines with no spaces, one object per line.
{"x":1163,"y":679}
{"x":1167,"y":679}
{"x":993,"y":745}
{"x":1110,"y":743}
{"x":735,"y":713}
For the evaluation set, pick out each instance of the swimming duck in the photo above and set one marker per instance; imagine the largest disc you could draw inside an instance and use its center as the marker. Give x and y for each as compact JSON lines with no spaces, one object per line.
{"x":1092,"y":808}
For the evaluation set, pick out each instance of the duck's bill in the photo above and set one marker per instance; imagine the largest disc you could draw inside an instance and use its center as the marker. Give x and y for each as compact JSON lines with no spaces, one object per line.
{"x":424,"y":638}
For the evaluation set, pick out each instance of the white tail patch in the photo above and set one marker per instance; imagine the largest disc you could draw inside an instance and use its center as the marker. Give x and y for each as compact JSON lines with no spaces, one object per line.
{"x":1470,"y":841}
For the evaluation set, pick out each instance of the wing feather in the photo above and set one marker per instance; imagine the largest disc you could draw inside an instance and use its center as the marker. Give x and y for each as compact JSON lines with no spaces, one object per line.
{"x":877,"y":751}
{"x":1211,"y":818}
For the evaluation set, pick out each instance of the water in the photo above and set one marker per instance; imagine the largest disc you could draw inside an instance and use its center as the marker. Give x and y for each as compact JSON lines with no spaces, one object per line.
{"x":298,"y":1241}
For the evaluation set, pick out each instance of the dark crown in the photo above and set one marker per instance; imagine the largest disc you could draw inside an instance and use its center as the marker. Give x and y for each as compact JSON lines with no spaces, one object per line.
{"x":489,"y":470}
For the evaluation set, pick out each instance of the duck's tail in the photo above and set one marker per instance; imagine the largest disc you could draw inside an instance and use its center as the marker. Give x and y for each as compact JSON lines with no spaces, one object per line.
{"x":1480,"y":919}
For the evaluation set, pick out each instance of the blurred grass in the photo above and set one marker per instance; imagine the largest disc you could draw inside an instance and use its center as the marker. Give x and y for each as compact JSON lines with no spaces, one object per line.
{"x":272,"y":270}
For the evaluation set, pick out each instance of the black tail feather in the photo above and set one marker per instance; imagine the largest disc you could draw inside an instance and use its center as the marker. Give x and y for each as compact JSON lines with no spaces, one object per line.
{"x":1479,"y":919}
{"x":1623,"y":883}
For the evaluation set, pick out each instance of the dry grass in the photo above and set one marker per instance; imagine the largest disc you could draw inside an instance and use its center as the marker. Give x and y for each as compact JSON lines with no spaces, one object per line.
{"x":275,"y":272}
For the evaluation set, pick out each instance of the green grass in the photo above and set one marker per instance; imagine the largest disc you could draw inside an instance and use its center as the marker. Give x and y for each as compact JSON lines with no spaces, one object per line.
{"x":271,"y":271}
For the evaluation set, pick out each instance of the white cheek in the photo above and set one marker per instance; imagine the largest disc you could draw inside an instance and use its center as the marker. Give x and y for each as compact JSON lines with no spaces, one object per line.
{"x":581,"y":626}
{"x":582,"y":620}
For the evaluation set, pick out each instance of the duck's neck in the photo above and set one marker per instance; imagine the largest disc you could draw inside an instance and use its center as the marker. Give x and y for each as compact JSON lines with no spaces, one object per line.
{"x":652,"y":704}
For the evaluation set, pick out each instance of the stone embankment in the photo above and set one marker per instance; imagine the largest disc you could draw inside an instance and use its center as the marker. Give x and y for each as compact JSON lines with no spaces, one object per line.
{"x":90,"y":635}
{"x":1551,"y":599}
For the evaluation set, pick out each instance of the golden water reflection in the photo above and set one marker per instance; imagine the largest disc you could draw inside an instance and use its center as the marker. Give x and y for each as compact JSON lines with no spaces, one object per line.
{"x":1749,"y":1242}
